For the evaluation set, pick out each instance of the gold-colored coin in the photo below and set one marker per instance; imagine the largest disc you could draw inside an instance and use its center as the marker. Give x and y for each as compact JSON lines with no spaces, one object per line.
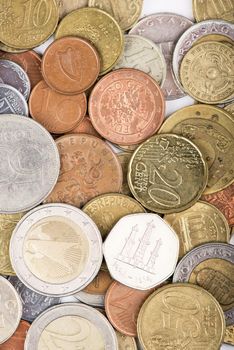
{"x":206,"y":72}
{"x":212,"y":9}
{"x":229,"y":335}
{"x":202,"y":223}
{"x":125,"y":342}
{"x":9,"y":49}
{"x":215,"y":37}
{"x":107,"y":209}
{"x":98,"y":27}
{"x":7,"y":225}
{"x":212,"y":130}
{"x":27,"y":24}
{"x":159,"y":171}
{"x":124,"y":159}
{"x":67,"y":6}
{"x":181,"y":316}
{"x":230,"y":108}
{"x":126,"y":12}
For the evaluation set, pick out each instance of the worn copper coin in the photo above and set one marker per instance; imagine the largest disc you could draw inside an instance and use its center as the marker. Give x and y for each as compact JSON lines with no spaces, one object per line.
{"x":16,"y":342}
{"x":130,"y":103}
{"x":70,"y":65}
{"x":85,"y":127}
{"x":58,"y":113}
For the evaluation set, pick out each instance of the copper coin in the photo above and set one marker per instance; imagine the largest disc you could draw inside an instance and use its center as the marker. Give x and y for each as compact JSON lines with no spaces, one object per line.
{"x":85,"y":127}
{"x":101,"y":282}
{"x":30,"y":61}
{"x":122,"y":306}
{"x":16,"y":342}
{"x":88,"y":168}
{"x":58,"y":113}
{"x":126,"y":106}
{"x":70,"y":65}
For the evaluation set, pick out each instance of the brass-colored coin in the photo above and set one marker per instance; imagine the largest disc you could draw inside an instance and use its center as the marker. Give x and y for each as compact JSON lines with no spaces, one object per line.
{"x":107,"y":209}
{"x":27,"y":24}
{"x":9,"y":49}
{"x":124,"y":159}
{"x":7,"y":225}
{"x":159,"y":171}
{"x":98,"y":27}
{"x":126,"y":12}
{"x":212,"y":9}
{"x":125,"y":342}
{"x":212,"y":130}
{"x":206,"y":72}
{"x":215,"y":37}
{"x":202,"y":223}
{"x":229,"y":335}
{"x":181,"y":316}
{"x":67,"y":6}
{"x":230,"y":109}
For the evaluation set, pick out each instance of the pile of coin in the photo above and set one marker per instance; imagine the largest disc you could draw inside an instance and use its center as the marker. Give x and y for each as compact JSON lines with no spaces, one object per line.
{"x":115,"y":220}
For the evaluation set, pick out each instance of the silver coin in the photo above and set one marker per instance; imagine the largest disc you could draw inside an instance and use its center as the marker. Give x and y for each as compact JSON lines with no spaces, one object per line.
{"x":141,"y":251}
{"x":29,"y":164}
{"x":72,"y":326}
{"x":193,"y":34}
{"x":12,"y":101}
{"x":97,"y":300}
{"x":141,"y":53}
{"x":209,"y":281}
{"x":33,"y":303}
{"x":10,"y":310}
{"x":14,"y":75}
{"x":164,"y":29}
{"x":56,"y":250}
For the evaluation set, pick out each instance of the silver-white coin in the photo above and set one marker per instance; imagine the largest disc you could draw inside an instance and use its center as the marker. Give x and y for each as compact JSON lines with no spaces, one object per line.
{"x":56,"y":250}
{"x":141,"y":251}
{"x":12,"y":101}
{"x":29,"y":166}
{"x":71,"y":326}
{"x":97,"y":300}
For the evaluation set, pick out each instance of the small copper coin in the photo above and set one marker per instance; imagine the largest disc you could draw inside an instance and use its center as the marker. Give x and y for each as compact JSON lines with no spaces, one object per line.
{"x":101,"y":282}
{"x":85,"y":127}
{"x":16,"y":342}
{"x":88,"y":168}
{"x":58,"y":113}
{"x":126,"y":106}
{"x":70,"y":65}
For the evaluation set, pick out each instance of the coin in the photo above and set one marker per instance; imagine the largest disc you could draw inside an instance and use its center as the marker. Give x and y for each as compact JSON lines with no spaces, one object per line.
{"x":100,"y":29}
{"x":211,"y":267}
{"x":159,"y":171}
{"x":66,"y":7}
{"x":11,"y":310}
{"x":124,"y":159}
{"x":73,"y":326}
{"x":96,"y":300}
{"x":12,"y":101}
{"x":208,"y":9}
{"x":230,"y":108}
{"x":29,"y":24}
{"x":215,"y":37}
{"x":125,"y":342}
{"x":129,"y":148}
{"x":130,"y":102}
{"x":70,"y":65}
{"x":141,"y":251}
{"x":202,"y":223}
{"x":85,"y":127}
{"x":16,"y":342}
{"x":141,"y":53}
{"x":58,"y":113}
{"x":33,"y":303}
{"x":229,"y":335}
{"x":9,"y":49}
{"x":164,"y":29}
{"x":212,"y":130}
{"x":181,"y":316}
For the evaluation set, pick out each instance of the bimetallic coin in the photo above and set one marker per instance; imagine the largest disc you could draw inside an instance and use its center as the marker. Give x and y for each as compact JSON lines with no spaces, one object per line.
{"x":12,"y":101}
{"x":125,"y":342}
{"x":213,"y":9}
{"x":124,"y":159}
{"x":11,"y":310}
{"x":66,"y":7}
{"x":181,"y":316}
{"x":230,"y":108}
{"x":16,"y":341}
{"x":74,"y":326}
{"x":229,"y":335}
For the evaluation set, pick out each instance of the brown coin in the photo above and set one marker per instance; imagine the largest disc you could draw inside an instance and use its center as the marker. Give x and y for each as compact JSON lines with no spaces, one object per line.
{"x":70,"y":65}
{"x":101,"y":282}
{"x":16,"y":342}
{"x":30,"y":61}
{"x":122,"y":306}
{"x":88,"y":168}
{"x":85,"y":127}
{"x":126,"y":106}
{"x":58,"y":113}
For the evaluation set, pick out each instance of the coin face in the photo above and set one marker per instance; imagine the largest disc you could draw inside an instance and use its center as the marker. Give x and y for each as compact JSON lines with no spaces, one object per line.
{"x":179,"y":314}
{"x":11,"y":310}
{"x":230,"y":108}
{"x":158,"y":173}
{"x":66,"y":7}
{"x":16,"y":342}
{"x":141,"y":251}
{"x":213,"y":9}
{"x":12,"y":101}
{"x":100,"y":29}
{"x":229,"y":335}
{"x":124,"y":159}
{"x":74,"y":326}
{"x":125,"y":342}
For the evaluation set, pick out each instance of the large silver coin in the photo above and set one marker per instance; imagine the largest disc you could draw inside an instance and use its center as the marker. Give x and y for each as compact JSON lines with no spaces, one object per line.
{"x":164,"y":29}
{"x":12,"y":101}
{"x":56,"y":250}
{"x":141,"y":53}
{"x":72,"y":326}
{"x":29,"y":166}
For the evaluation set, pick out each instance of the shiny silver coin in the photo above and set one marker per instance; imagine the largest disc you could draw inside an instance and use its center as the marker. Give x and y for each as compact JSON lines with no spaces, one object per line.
{"x":29,"y":164}
{"x":91,"y":299}
{"x":12,"y":101}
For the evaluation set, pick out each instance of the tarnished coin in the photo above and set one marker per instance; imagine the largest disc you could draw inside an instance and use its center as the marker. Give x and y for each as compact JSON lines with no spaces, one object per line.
{"x":85,"y":127}
{"x":181,"y":316}
{"x":164,"y":29}
{"x":16,"y":342}
{"x":230,"y":108}
{"x":211,"y":266}
{"x":229,"y":335}
{"x":159,"y":171}
{"x":12,"y":101}
{"x":141,"y":53}
{"x":66,"y":7}
{"x":210,"y":9}
{"x":28,"y":24}
{"x":125,"y":342}
{"x":56,"y":250}
{"x":11,"y":310}
{"x":72,"y":326}
{"x":100,"y":29}
{"x":124,"y":159}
